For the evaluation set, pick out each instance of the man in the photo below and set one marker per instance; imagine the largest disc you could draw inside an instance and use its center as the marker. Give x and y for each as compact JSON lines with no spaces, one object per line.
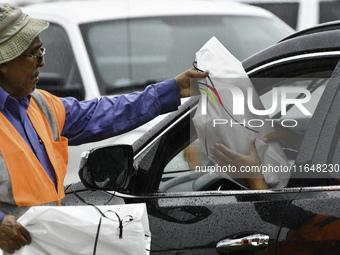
{"x":36,"y":127}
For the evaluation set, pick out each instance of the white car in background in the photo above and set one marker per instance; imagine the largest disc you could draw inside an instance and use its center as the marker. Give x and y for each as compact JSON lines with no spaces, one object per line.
{"x":97,"y":48}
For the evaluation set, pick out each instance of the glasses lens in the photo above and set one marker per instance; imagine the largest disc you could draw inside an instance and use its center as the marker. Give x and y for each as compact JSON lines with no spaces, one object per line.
{"x":42,"y":50}
{"x":40,"y":58}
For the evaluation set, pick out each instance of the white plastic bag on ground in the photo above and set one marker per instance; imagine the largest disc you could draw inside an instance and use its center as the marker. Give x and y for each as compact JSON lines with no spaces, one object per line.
{"x":214,"y":118}
{"x":72,"y":230}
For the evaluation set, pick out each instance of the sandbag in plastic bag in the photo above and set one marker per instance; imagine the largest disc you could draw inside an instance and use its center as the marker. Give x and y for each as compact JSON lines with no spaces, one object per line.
{"x":223,"y":115}
{"x":72,"y":230}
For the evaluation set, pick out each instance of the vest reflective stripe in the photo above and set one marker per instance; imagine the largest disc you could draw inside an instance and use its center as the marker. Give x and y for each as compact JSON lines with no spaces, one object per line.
{"x":6,"y":193}
{"x":29,"y":182}
{"x":40,"y":100}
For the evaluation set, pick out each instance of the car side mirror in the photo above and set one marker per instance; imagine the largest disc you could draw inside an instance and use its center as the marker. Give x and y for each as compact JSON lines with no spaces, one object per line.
{"x":107,"y":168}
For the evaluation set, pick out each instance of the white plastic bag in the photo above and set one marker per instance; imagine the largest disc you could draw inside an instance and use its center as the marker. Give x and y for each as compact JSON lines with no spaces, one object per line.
{"x":220,"y":121}
{"x":72,"y":230}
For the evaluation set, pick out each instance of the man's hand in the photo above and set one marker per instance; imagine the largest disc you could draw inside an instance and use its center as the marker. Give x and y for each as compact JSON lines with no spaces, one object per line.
{"x":13,"y":235}
{"x":183,"y":80}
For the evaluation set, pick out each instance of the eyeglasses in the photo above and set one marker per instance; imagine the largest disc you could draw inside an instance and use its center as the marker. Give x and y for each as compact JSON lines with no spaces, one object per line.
{"x":39,"y":57}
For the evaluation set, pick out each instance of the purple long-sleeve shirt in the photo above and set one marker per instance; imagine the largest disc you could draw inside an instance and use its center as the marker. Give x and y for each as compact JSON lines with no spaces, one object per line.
{"x":93,"y":120}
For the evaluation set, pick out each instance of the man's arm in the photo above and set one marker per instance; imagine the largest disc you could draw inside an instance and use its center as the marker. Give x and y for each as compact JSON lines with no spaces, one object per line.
{"x":97,"y":119}
{"x":2,"y":216}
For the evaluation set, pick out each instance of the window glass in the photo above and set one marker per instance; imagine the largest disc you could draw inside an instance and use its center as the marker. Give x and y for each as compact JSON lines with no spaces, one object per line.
{"x":60,"y":71}
{"x":129,"y":53}
{"x":288,"y":12}
{"x":181,"y":169}
{"x":329,"y":11}
{"x":315,"y":86}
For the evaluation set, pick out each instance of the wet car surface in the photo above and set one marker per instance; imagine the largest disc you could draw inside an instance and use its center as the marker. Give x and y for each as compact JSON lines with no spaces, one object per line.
{"x":191,"y":214}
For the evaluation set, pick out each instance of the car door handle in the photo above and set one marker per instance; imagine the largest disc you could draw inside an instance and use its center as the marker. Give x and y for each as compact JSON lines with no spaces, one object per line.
{"x":250,"y":243}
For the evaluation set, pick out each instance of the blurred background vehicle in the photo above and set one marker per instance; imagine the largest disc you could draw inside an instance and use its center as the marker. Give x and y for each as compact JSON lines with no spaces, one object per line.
{"x":301,"y":14}
{"x":97,"y":48}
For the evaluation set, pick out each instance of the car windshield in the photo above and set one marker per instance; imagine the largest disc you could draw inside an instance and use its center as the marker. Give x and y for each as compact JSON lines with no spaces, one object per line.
{"x":129,"y":54}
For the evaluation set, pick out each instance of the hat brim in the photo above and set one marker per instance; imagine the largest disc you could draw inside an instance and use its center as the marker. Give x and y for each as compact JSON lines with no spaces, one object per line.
{"x":18,"y":43}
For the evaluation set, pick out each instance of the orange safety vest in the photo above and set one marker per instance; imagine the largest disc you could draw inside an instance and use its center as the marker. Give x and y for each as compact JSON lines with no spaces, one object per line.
{"x":28,"y":181}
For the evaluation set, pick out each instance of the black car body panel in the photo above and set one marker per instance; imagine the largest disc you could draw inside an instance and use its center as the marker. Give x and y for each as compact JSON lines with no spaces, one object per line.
{"x":328,"y":26}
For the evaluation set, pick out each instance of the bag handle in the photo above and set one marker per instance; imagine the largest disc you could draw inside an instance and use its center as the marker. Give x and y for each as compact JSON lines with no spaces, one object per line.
{"x":100,"y":220}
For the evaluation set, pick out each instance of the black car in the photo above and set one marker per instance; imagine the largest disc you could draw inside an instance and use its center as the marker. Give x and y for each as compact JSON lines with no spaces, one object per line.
{"x":195,"y":213}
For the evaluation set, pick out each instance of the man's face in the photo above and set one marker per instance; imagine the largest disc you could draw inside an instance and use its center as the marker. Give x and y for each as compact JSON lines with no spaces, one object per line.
{"x":19,"y":76}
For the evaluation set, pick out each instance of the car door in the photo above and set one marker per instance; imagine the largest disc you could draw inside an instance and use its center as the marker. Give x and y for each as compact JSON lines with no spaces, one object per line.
{"x":313,"y":216}
{"x":311,"y":223}
{"x":197,"y":213}
{"x":190,"y":213}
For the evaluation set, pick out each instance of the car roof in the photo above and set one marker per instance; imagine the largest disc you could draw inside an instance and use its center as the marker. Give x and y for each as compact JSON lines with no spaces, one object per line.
{"x":328,"y":26}
{"x":317,"y":40}
{"x":85,"y":11}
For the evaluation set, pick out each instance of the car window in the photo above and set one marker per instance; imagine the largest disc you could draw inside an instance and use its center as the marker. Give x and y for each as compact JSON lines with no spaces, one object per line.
{"x":129,"y":53}
{"x":184,"y":167}
{"x":329,"y":11}
{"x":60,"y":75}
{"x":315,"y":86}
{"x":288,"y":12}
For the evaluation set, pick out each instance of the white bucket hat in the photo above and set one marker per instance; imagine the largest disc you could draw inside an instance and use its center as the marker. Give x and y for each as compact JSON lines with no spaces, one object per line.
{"x":17,"y":31}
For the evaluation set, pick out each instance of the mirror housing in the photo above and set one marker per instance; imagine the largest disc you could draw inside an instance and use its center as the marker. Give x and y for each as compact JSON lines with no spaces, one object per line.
{"x":107,"y":168}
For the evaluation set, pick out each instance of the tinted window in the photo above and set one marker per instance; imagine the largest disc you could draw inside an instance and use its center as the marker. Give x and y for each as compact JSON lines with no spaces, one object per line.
{"x":133,"y":52}
{"x":315,"y":86}
{"x":180,"y":175}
